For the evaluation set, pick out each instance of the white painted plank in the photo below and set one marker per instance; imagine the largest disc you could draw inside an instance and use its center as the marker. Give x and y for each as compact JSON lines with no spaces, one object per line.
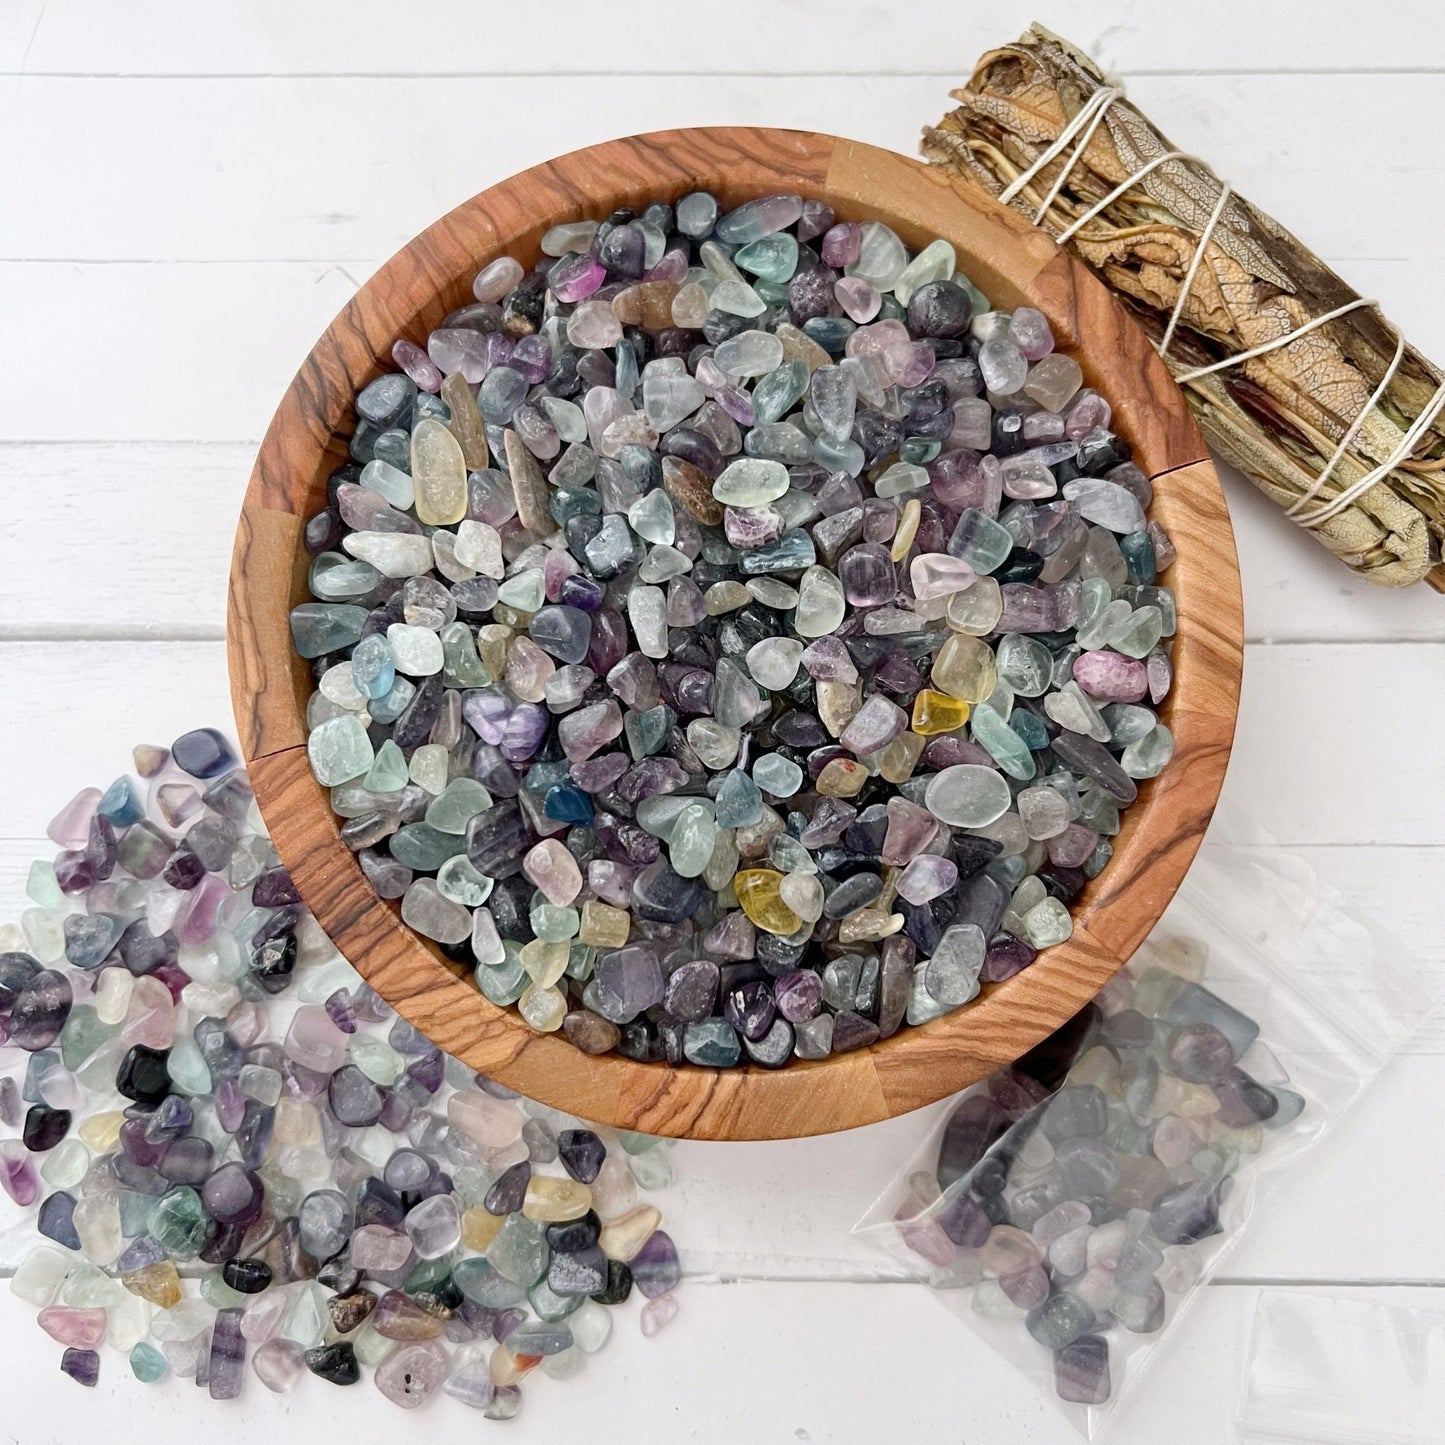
{"x":808,"y":36}
{"x":248,"y":191}
{"x":836,"y":1363}
{"x":148,"y":526}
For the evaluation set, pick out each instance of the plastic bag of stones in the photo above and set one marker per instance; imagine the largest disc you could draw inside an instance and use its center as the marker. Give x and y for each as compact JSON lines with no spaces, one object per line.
{"x":1069,"y":1207}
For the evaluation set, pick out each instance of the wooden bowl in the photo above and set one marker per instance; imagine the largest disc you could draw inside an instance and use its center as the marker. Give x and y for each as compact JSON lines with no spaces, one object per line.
{"x":1015,"y":265}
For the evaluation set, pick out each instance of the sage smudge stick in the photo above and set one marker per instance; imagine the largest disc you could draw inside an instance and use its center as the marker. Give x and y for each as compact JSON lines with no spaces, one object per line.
{"x":1294,"y":378}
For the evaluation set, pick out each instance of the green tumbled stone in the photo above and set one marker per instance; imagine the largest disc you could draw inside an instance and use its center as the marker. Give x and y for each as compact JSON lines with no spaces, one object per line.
{"x":1003,"y":744}
{"x":461,"y":667}
{"x":526,"y":591}
{"x":693,"y":838}
{"x":147,"y":1363}
{"x":420,"y":846}
{"x":179,"y":1223}
{"x":779,"y":391}
{"x":321,"y":627}
{"x":376,"y":1059}
{"x":550,"y":1306}
{"x":1139,"y":632}
{"x":40,"y":885}
{"x":771,"y":258}
{"x":82,"y":1036}
{"x":554,"y":924}
{"x":503,"y":983}
{"x":519,"y":1252}
{"x":388,"y":771}
{"x":1148,"y":757}
{"x":713,"y":1043}
{"x":339,"y":750}
{"x":462,"y":800}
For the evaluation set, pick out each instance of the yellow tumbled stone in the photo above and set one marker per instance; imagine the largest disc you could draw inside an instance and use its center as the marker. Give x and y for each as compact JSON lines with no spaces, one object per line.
{"x":965,"y":668}
{"x":897,"y":761}
{"x":842,"y":778}
{"x":622,"y":1237}
{"x":101,"y":1131}
{"x":838,"y":704}
{"x":760,"y":896}
{"x":553,"y":1200}
{"x":907,"y":529}
{"x":159,"y":1283}
{"x":603,"y":925}
{"x":936,"y":712}
{"x":493,"y":640}
{"x":479,"y":1228}
{"x":545,"y":962}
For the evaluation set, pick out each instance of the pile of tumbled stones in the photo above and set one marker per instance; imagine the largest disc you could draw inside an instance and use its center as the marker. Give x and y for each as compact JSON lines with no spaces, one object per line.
{"x":1076,"y":1193}
{"x":732,"y":636}
{"x":234,"y":1147}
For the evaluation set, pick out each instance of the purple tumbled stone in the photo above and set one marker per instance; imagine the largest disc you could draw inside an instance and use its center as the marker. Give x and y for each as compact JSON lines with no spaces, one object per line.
{"x":927,"y":877}
{"x":1006,"y":956}
{"x":656,"y":1269}
{"x":799,"y":995}
{"x":83,"y":1366}
{"x":1111,"y":677}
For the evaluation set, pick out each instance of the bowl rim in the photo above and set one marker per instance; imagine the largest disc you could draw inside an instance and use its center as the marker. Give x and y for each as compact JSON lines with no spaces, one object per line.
{"x":1011,"y":259}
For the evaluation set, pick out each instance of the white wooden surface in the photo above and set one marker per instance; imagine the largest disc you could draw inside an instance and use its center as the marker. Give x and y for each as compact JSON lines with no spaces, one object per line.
{"x":191,"y":192}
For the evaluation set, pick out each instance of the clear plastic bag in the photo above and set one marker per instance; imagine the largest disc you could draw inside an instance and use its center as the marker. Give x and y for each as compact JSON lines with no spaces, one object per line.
{"x":1070,"y":1208}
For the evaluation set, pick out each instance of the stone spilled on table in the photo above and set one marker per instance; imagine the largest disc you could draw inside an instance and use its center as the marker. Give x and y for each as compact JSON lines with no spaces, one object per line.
{"x":235,"y":1150}
{"x":732,"y":636}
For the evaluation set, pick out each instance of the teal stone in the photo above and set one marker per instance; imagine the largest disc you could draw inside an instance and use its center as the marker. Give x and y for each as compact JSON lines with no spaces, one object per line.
{"x":922,"y":1006}
{"x":779,"y":391}
{"x":1148,"y":757}
{"x":1139,"y":634}
{"x":461,"y":666}
{"x":1030,"y":727}
{"x":339,"y":750}
{"x":147,"y":1363}
{"x":980,"y":541}
{"x":372,"y":671}
{"x":335,"y":577}
{"x":426,"y":1276}
{"x":771,"y":258}
{"x":694,"y":836}
{"x":1096,"y":861}
{"x":1002,"y":743}
{"x":459,"y":881}
{"x":428,"y":404}
{"x":713,"y":1043}
{"x":1138,"y":550}
{"x":919,"y":451}
{"x":839,"y":454}
{"x":519,"y":1252}
{"x":388,"y":772}
{"x":503,"y":983}
{"x":779,"y":441}
{"x":135,"y":1210}
{"x":387,"y":709}
{"x":554,"y":924}
{"x":420,"y":846}
{"x":459,"y":803}
{"x":564,"y":503}
{"x":647,"y":732}
{"x":83,"y":1035}
{"x":739,"y":801}
{"x":119,"y":804}
{"x":775,"y":774}
{"x":775,"y":293}
{"x":1128,"y":722}
{"x":321,"y":627}
{"x":830,"y":332}
{"x":40,"y":885}
{"x":658,"y":815}
{"x":178,"y":1222}
{"x":892,"y":309}
{"x":788,"y":855}
{"x":550,"y":1306}
{"x":581,"y":960}
{"x":187,"y":1067}
{"x":792,"y":552}
{"x":479,"y":1281}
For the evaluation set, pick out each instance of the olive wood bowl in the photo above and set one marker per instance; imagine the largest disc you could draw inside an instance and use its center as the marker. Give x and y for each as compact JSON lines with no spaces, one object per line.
{"x":1012,"y":262}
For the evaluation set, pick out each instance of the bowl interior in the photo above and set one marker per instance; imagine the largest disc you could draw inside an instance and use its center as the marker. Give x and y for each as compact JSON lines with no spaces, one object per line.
{"x":1014,"y":265}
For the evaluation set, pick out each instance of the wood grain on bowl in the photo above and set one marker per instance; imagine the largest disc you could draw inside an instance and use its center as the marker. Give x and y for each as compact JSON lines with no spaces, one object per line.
{"x":1015,"y":265}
